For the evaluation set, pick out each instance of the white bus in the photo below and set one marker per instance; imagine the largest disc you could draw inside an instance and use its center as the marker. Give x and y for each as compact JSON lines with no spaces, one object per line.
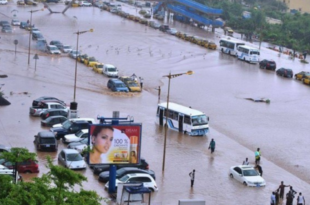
{"x":230,"y":46}
{"x":183,"y":119}
{"x":248,"y":53}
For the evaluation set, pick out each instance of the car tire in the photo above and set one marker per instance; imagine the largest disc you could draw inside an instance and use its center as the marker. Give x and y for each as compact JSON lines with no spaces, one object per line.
{"x":231,"y":176}
{"x":245,"y":184}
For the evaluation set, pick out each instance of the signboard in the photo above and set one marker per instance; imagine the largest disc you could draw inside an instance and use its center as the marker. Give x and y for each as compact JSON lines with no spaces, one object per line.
{"x":114,"y":144}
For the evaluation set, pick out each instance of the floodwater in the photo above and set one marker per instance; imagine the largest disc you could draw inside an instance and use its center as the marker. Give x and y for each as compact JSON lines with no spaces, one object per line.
{"x":218,"y":87}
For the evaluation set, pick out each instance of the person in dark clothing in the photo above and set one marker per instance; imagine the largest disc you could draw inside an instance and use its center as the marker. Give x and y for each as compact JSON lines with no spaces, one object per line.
{"x":289,"y":199}
{"x":277,"y":196}
{"x":259,"y":169}
{"x":281,"y":188}
{"x":212,"y":146}
{"x":192,"y":176}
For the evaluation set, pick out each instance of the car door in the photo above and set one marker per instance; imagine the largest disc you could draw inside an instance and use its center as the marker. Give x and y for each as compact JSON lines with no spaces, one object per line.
{"x":238,"y":174}
{"x":147,"y":182}
{"x":61,"y":158}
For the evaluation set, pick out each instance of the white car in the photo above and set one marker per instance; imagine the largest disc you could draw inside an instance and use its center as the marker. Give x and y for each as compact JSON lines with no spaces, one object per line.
{"x":247,"y":175}
{"x":90,"y":120}
{"x":146,"y":179}
{"x":76,"y":137}
{"x":66,"y":49}
{"x":85,"y":3}
{"x":71,"y":159}
{"x":74,"y":54}
{"x":3,"y":2}
{"x":15,"y":22}
{"x":53,"y":49}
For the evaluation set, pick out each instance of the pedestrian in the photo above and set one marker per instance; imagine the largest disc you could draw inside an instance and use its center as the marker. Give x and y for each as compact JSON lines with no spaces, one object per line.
{"x":301,"y":199}
{"x":281,"y":188}
{"x":257,"y":156}
{"x":192,"y":176}
{"x":134,"y":77}
{"x":277,"y":196}
{"x":273,"y":199}
{"x":246,"y":162}
{"x":141,"y":82}
{"x":259,"y":169}
{"x":289,"y":199}
{"x":212,"y":146}
{"x":292,"y":192}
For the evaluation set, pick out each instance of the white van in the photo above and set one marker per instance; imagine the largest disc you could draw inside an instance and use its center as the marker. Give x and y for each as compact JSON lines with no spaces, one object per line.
{"x":90,"y":120}
{"x":110,"y":71}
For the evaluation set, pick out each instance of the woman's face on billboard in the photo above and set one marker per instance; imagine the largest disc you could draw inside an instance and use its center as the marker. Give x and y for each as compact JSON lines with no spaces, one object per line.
{"x":102,"y":142}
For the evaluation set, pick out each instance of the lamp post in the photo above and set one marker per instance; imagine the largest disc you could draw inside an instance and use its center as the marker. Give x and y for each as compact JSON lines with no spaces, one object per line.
{"x":30,"y":22}
{"x":77,"y":49}
{"x":167,"y":109}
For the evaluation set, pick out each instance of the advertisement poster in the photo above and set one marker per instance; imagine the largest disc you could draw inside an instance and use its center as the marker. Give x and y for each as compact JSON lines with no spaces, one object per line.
{"x":114,"y":144}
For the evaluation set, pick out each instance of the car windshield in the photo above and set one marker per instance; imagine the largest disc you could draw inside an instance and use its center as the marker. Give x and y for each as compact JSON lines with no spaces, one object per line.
{"x":124,"y":178}
{"x":120,"y":85}
{"x":74,"y":157}
{"x":133,"y":84}
{"x":67,"y":47}
{"x":47,"y":140}
{"x":53,"y":48}
{"x":67,"y":124}
{"x":79,"y":133}
{"x":112,"y":69}
{"x":250,"y":173}
{"x":199,"y":120}
{"x":84,"y":141}
{"x":173,"y":30}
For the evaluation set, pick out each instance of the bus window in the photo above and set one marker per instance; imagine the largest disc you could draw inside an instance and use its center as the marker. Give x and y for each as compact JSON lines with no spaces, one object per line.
{"x":254,"y":53}
{"x":199,"y":120}
{"x":187,"y":120}
{"x":175,"y":116}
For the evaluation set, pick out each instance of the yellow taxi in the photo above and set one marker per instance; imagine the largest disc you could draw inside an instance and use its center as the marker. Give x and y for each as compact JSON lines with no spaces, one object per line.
{"x":131,"y":17}
{"x":81,"y":58}
{"x":301,"y":75}
{"x":306,"y":81}
{"x":143,"y":21}
{"x":188,"y":37}
{"x":133,"y":85}
{"x":212,"y":45}
{"x":97,"y":67}
{"x":90,"y":61}
{"x":179,"y":34}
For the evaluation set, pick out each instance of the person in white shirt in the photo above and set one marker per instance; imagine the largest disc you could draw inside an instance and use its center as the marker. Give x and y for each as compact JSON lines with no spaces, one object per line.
{"x":301,"y":199}
{"x":273,"y":199}
{"x":246,"y":162}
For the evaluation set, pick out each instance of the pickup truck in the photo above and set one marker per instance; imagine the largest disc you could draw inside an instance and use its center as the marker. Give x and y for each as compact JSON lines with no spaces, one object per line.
{"x":110,"y":71}
{"x":37,"y":110}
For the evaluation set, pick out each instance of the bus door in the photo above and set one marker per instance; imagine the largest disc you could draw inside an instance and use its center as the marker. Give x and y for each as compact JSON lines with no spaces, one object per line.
{"x":181,"y":120}
{"x":161,"y":117}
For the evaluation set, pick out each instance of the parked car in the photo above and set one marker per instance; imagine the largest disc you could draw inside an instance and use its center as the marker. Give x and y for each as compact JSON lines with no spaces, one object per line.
{"x":28,"y":166}
{"x":268,"y":64}
{"x":74,"y":54}
{"x":76,"y":137}
{"x":15,"y":22}
{"x":164,"y":28}
{"x":302,"y":74}
{"x":52,"y":1}
{"x":36,"y":36}
{"x":117,"y":85}
{"x":23,"y":25}
{"x":85,"y":3}
{"x":79,"y":145}
{"x":3,"y":2}
{"x":21,"y":2}
{"x":154,"y":24}
{"x":285,"y":72}
{"x":146,"y":179}
{"x":172,"y":31}
{"x":41,"y":44}
{"x":110,"y":70}
{"x":50,"y":121}
{"x":69,"y":128}
{"x":54,"y":112}
{"x":147,"y":15}
{"x":39,"y":100}
{"x":71,"y":159}
{"x":306,"y":81}
{"x":3,"y":23}
{"x":247,"y":175}
{"x":104,"y":176}
{"x":53,"y":49}
{"x":90,"y":61}
{"x":89,"y":120}
{"x":97,"y":169}
{"x":58,"y":44}
{"x":98,"y":67}
{"x":45,"y":141}
{"x":81,"y":58}
{"x":66,"y":49}
{"x":6,"y":29}
{"x":37,"y":110}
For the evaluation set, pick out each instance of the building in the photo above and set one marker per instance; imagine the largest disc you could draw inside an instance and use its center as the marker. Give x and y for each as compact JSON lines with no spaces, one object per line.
{"x":302,"y":6}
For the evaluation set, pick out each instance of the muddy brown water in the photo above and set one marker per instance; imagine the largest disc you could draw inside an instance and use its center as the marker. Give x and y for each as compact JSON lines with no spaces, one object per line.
{"x":218,"y":87}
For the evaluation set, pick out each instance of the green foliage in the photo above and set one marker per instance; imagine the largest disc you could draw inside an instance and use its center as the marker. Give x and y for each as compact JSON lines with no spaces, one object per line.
{"x":18,"y":154}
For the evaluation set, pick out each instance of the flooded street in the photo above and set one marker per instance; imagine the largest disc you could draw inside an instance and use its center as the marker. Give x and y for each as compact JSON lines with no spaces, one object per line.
{"x":218,"y":87}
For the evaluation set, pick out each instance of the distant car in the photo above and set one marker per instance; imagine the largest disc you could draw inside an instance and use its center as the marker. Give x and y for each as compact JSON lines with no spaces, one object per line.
{"x":154,"y":24}
{"x":36,"y":36}
{"x":172,"y":31}
{"x":79,"y":145}
{"x":3,"y":2}
{"x":85,"y":3}
{"x":76,"y":137}
{"x":23,"y":25}
{"x":53,"y":49}
{"x":6,"y":29}
{"x":28,"y":166}
{"x":3,"y":23}
{"x":20,"y":2}
{"x":74,"y":54}
{"x":132,"y":85}
{"x":117,"y":86}
{"x":35,"y":30}
{"x":145,"y":179}
{"x":302,"y":74}
{"x":104,"y":176}
{"x":53,"y":120}
{"x":70,"y":127}
{"x":15,"y":22}
{"x":139,"y":4}
{"x":52,"y":1}
{"x":268,"y":64}
{"x":164,"y":28}
{"x":90,"y":61}
{"x":285,"y":72}
{"x":71,"y":159}
{"x":82,"y":57}
{"x":53,"y":112}
{"x":57,"y":43}
{"x":306,"y":81}
{"x":66,"y":49}
{"x":45,"y":141}
{"x":247,"y":175}
{"x":41,"y":44}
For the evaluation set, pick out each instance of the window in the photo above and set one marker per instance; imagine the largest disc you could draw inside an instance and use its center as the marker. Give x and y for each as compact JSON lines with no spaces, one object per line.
{"x":170,"y":115}
{"x":238,"y":170}
{"x":175,"y":115}
{"x":187,"y":120}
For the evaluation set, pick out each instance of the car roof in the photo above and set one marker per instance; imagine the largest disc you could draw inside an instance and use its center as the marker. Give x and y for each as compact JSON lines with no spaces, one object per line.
{"x":85,"y":130}
{"x":139,"y":175}
{"x":51,"y":110}
{"x":70,"y":151}
{"x":46,"y":134}
{"x":56,"y":116}
{"x":243,"y":167}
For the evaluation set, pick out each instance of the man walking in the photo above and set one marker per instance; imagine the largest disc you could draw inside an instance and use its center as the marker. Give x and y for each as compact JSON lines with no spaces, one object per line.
{"x":301,"y":199}
{"x":212,"y":146}
{"x":273,"y":199}
{"x":192,"y":176}
{"x":141,"y":82}
{"x":257,"y":156}
{"x":281,"y":188}
{"x":246,"y":162}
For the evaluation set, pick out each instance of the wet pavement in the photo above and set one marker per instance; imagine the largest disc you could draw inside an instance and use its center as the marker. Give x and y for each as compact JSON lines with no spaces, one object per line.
{"x":218,"y":87}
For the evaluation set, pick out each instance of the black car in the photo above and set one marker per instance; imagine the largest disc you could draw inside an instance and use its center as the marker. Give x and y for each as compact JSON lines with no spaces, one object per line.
{"x":23,"y":25}
{"x":46,"y":141}
{"x":70,"y":128}
{"x":36,"y":36}
{"x":53,"y":120}
{"x":53,"y":112}
{"x":57,"y":43}
{"x":4,"y":23}
{"x":268,"y":64}
{"x":285,"y":72}
{"x":104,"y":176}
{"x":104,"y":167}
{"x":164,"y":28}
{"x":37,"y":101}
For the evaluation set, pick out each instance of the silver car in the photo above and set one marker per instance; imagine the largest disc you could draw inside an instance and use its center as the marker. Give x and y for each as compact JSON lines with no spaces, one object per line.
{"x":74,"y":54}
{"x":71,"y":159}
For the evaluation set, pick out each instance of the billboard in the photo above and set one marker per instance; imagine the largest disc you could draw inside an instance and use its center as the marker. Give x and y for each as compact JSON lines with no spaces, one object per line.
{"x":114,"y":144}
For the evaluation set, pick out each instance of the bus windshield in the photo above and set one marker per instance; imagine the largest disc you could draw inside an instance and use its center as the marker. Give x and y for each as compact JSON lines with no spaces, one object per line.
{"x":199,"y":120}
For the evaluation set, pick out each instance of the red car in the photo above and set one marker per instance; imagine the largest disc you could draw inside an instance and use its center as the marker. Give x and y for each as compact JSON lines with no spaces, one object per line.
{"x":24,"y":167}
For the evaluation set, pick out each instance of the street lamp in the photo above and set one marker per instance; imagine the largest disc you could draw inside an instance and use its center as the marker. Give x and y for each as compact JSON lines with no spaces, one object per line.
{"x":167,"y":109}
{"x":32,"y":11}
{"x":77,"y":49}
